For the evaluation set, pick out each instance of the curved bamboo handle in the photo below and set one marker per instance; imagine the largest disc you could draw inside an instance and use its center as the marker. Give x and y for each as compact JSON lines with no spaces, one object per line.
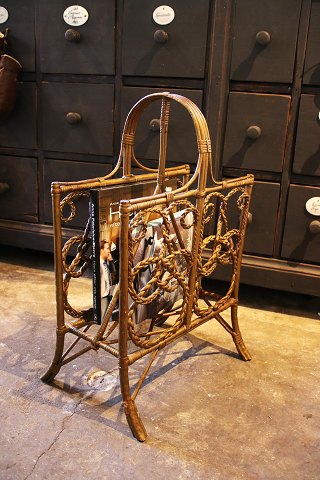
{"x":200,"y":125}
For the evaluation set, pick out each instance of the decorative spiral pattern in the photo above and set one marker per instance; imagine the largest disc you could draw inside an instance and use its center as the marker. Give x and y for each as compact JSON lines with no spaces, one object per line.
{"x":79,"y":264}
{"x":69,"y":200}
{"x":224,"y":243}
{"x":165,"y":272}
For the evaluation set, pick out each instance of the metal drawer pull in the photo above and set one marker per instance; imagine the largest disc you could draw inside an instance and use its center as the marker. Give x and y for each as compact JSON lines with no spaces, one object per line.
{"x":73,"y":118}
{"x":254,"y":132}
{"x":72,"y":35}
{"x":263,"y":38}
{"x":160,"y":36}
{"x":154,"y":125}
{"x":4,"y":187}
{"x":314,"y":226}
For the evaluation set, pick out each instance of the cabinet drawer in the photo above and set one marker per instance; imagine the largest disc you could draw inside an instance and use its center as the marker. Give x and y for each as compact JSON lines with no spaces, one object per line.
{"x":299,"y":243}
{"x":182,"y":144}
{"x":176,"y":50}
{"x":256,"y":131}
{"x":307,"y":150}
{"x":19,"y":129}
{"x":312,"y":63}
{"x":21,"y":37}
{"x":20,"y":201}
{"x":63,"y":171}
{"x":264,"y":40}
{"x":261,"y":228}
{"x":77,"y":117}
{"x":87,"y":48}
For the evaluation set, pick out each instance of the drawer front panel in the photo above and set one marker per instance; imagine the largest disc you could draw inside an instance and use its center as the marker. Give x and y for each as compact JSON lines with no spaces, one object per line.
{"x":312,"y":63}
{"x":177,"y":49}
{"x":63,"y":171}
{"x":256,"y":131}
{"x":182,"y":145}
{"x":78,"y":118}
{"x":19,"y":129}
{"x":88,"y":48}
{"x":19,"y":185}
{"x":260,"y":231}
{"x":299,"y":243}
{"x":21,"y":27}
{"x":307,"y":150}
{"x":264,"y":44}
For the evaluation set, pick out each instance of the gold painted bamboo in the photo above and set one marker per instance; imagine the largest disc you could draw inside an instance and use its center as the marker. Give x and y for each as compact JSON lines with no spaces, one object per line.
{"x":130,"y":409}
{"x":190,"y":314}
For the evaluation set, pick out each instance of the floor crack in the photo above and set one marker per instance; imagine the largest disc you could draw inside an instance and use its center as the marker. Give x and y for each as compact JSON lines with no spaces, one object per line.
{"x":64,"y":423}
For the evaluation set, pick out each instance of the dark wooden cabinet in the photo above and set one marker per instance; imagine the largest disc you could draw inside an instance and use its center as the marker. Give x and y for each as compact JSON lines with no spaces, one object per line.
{"x":19,"y":130}
{"x":19,"y":201}
{"x":256,"y":131}
{"x":176,"y":49}
{"x":84,"y":49}
{"x":21,"y":22}
{"x":77,"y":117}
{"x":253,"y":69}
{"x":307,"y":149}
{"x":260,"y":235}
{"x":302,"y":230}
{"x":272,"y":126}
{"x":311,"y":73}
{"x":264,"y":40}
{"x":61,"y":171}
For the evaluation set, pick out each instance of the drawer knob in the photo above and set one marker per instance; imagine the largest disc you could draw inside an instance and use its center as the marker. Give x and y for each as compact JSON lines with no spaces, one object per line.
{"x":160,"y":36}
{"x":250,"y":218}
{"x":4,"y":187}
{"x":314,"y":226}
{"x":263,"y":38}
{"x":253,"y":132}
{"x":73,"y":118}
{"x":72,"y":35}
{"x":154,"y":125}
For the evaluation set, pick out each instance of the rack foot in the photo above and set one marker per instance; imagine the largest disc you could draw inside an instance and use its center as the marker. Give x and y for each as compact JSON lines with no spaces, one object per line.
{"x":134,"y":420}
{"x":50,"y":374}
{"x":55,"y":366}
{"x":237,"y":337}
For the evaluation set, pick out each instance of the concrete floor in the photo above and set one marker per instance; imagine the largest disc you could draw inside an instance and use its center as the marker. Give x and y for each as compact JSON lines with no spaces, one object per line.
{"x":209,"y":415}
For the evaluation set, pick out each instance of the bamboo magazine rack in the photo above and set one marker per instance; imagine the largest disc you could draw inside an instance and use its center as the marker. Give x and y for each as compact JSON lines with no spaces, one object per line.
{"x":194,"y":237}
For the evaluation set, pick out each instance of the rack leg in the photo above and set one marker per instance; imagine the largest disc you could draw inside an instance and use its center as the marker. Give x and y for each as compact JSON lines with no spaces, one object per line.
{"x":237,"y":337}
{"x":130,"y":409}
{"x":56,"y":362}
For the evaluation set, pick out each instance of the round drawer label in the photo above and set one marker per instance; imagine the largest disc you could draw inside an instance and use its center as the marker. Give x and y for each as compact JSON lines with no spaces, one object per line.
{"x":313,"y":206}
{"x":75,"y":15}
{"x":163,"y":15}
{"x":4,"y":15}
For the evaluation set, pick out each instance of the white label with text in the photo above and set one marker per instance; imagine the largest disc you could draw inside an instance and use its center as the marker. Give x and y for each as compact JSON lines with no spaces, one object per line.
{"x":75,"y":15}
{"x":313,"y":206}
{"x":163,"y":15}
{"x":4,"y":15}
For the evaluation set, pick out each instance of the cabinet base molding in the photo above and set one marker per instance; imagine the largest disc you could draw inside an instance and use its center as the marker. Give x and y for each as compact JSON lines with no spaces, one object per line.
{"x":278,"y":275}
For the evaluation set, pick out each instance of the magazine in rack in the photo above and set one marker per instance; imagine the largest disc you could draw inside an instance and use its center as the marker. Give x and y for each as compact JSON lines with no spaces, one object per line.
{"x":154,"y":245}
{"x":105,"y":222}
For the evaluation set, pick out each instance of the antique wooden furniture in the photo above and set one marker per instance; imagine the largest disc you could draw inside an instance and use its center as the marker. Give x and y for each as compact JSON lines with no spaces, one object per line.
{"x":178,"y":265}
{"x":251,"y":67}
